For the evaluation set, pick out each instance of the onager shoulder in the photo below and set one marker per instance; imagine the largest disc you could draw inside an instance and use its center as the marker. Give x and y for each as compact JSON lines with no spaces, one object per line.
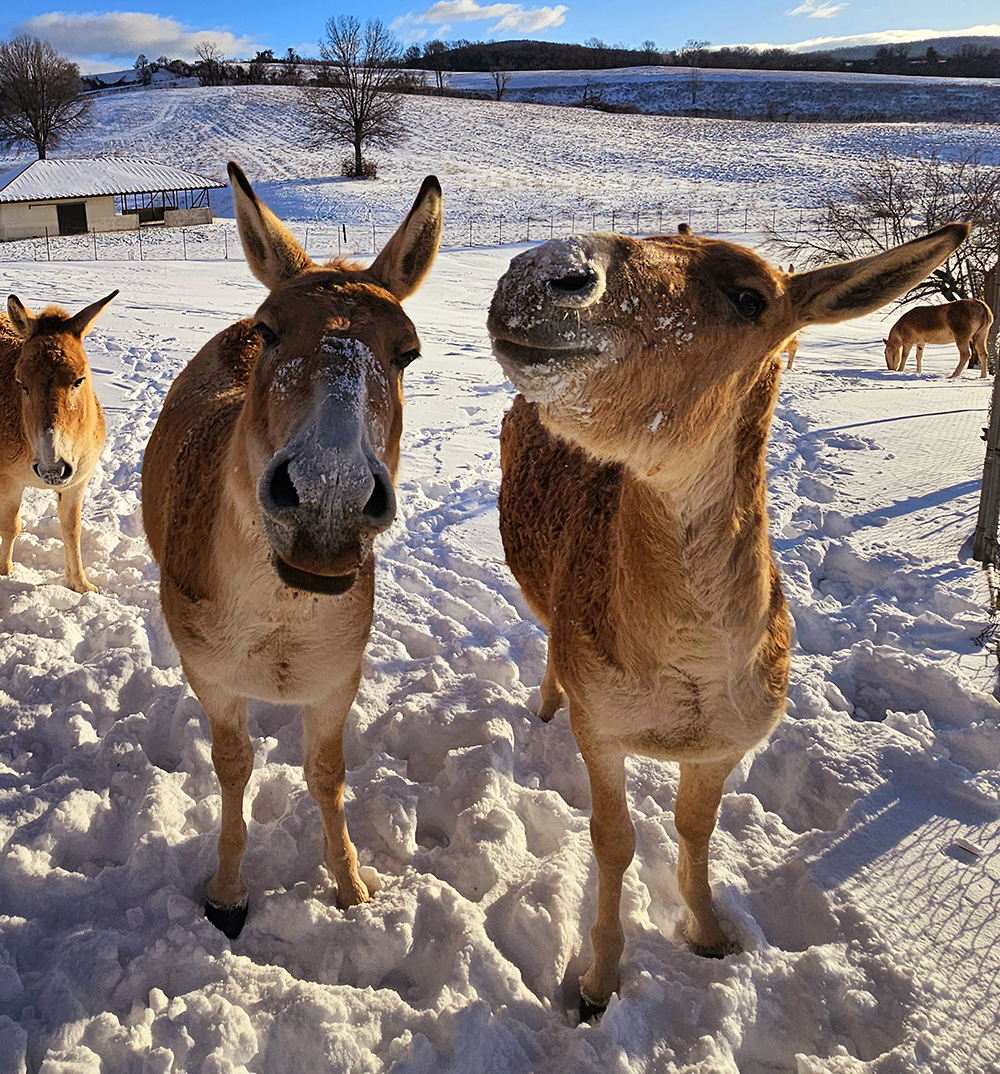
{"x":187,"y":445}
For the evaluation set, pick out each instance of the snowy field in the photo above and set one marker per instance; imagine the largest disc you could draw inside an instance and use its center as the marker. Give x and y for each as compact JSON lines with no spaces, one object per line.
{"x":842,"y":861}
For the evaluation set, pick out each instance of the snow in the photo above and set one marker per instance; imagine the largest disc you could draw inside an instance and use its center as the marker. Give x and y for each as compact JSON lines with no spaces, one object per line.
{"x":841,"y":864}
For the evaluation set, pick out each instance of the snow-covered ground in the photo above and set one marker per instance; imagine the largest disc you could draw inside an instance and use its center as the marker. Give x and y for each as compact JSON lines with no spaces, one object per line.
{"x":842,"y":861}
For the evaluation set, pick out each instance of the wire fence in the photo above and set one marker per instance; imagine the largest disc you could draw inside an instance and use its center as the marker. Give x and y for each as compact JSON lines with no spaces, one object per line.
{"x":323,"y":239}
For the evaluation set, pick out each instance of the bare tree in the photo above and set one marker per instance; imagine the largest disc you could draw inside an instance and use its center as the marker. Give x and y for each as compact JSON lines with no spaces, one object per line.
{"x":211,"y":64}
{"x":435,"y":57}
{"x":501,"y":80}
{"x":357,"y":101}
{"x":143,"y":69}
{"x":40,"y":102}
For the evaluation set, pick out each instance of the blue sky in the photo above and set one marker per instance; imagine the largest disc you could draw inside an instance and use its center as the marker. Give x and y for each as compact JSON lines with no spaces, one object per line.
{"x":101,"y":40}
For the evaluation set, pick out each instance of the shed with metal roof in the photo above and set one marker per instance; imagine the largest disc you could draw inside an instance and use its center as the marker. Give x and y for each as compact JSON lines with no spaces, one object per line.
{"x":70,"y":197}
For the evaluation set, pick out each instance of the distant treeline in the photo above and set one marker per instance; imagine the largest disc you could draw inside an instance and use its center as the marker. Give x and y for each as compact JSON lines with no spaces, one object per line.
{"x":968,"y":61}
{"x":213,"y":69}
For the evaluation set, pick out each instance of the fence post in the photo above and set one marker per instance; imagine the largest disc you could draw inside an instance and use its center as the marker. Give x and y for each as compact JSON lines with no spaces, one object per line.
{"x":500,"y":243}
{"x":93,"y":232}
{"x":48,"y":251}
{"x":985,"y":545}
{"x":612,"y":220}
{"x":184,"y":245}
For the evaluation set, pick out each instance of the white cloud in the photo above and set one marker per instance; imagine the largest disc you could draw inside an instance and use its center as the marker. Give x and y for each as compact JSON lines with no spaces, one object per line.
{"x":884,"y":37}
{"x":814,"y":10}
{"x":119,"y":36}
{"x":511,"y":17}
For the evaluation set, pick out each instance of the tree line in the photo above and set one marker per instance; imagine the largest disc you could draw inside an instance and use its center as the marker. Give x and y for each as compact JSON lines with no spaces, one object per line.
{"x":967,"y":61}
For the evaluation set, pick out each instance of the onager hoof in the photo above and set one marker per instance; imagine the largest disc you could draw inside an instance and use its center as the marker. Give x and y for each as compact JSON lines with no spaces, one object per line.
{"x":591,"y":1012}
{"x":716,"y":950}
{"x":353,"y":894}
{"x":229,"y":920}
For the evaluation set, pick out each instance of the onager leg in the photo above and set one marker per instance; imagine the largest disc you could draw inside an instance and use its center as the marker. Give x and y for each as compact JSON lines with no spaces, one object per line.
{"x":323,"y":740}
{"x":904,"y":353}
{"x":964,"y":354}
{"x":10,"y":525}
{"x":69,"y":508}
{"x":232,"y":756}
{"x":552,"y":695}
{"x":698,"y":796}
{"x":613,"y":837}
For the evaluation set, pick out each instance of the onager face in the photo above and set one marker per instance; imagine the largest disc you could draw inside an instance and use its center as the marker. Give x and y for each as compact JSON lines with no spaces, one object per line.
{"x":633,"y":347}
{"x":61,"y":417}
{"x":893,"y":352}
{"x":324,"y":414}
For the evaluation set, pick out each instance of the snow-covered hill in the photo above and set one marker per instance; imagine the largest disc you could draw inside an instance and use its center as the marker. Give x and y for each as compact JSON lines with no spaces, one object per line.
{"x":842,"y":862}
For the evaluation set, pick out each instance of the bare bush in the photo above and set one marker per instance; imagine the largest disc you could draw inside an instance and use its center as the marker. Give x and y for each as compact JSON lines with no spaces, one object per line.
{"x":896,"y":199}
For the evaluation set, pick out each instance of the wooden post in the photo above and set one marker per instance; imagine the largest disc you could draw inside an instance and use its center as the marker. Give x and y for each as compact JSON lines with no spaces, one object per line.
{"x":986,"y":546}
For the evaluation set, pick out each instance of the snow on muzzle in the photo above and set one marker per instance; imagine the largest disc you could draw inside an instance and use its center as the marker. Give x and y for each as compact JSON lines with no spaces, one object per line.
{"x":326,"y":494}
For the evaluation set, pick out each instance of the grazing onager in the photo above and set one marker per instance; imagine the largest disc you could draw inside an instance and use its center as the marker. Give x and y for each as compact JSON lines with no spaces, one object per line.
{"x":965,"y":323}
{"x":51,"y":424}
{"x":268,"y":476}
{"x":633,"y":515}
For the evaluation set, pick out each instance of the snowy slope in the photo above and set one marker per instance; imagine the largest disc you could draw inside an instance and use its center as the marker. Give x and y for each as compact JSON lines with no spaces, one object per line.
{"x":841,"y":863}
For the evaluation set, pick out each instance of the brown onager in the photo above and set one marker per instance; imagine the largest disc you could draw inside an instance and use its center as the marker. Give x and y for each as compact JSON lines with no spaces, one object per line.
{"x":267,"y":477}
{"x":965,"y":323}
{"x":633,"y":514}
{"x":51,"y":424}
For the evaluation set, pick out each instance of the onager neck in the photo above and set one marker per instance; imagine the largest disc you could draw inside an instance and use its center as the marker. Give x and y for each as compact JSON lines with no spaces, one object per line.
{"x":711,"y":515}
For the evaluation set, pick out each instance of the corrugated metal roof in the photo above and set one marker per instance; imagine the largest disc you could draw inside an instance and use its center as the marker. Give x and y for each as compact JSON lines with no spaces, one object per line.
{"x":99,"y":177}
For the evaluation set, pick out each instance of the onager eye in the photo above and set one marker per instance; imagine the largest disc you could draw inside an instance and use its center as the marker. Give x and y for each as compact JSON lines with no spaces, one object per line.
{"x":267,"y":334}
{"x":749,"y":304}
{"x":78,"y":382}
{"x":23,"y":387}
{"x":406,"y":358}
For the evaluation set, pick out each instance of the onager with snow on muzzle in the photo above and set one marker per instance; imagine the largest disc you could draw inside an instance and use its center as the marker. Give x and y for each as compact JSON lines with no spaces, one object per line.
{"x":633,"y":514}
{"x":266,"y":480}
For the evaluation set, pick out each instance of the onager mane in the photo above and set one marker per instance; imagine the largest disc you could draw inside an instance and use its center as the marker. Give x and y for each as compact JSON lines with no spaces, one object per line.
{"x":633,"y":513}
{"x":266,"y":480}
{"x":51,"y":423}
{"x":966,"y":323}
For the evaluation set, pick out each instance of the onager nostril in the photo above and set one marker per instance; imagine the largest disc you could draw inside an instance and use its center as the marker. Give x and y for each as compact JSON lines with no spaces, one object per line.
{"x":66,"y":472}
{"x":282,"y":489}
{"x":573,"y":283}
{"x":381,"y":503}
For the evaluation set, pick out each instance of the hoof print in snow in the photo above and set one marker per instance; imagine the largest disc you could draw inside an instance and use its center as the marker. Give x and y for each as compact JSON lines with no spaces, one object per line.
{"x":229,"y":920}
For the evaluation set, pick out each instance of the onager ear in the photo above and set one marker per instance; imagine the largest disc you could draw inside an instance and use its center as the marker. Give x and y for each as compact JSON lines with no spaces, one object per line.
{"x":853,"y":288}
{"x":271,"y":252}
{"x":23,"y":320}
{"x":407,"y":257}
{"x":82,"y":323}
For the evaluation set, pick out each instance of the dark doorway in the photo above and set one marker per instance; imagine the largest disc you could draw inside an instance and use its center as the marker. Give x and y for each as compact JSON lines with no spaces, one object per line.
{"x":72,"y":217}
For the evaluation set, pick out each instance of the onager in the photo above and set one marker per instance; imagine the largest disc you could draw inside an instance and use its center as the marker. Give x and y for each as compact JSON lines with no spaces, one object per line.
{"x":267,"y":477}
{"x":633,"y":515}
{"x":965,"y":323}
{"x":51,"y":424}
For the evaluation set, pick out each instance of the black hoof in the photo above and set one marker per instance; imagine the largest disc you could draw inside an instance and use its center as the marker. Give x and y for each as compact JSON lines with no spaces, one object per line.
{"x":721,"y":950}
{"x":591,"y":1012}
{"x":229,"y":920}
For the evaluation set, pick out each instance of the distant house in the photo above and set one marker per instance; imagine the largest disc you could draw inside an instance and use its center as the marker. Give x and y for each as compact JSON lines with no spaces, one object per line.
{"x":70,"y":197}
